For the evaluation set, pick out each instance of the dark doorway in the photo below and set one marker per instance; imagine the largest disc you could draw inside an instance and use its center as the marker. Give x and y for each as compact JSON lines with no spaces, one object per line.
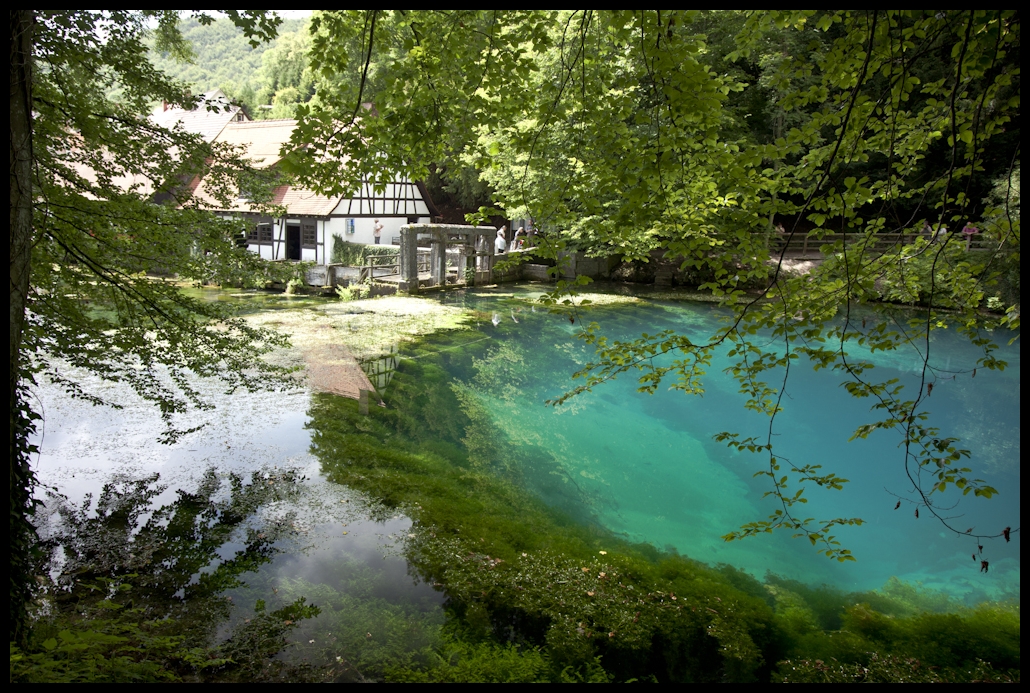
{"x":292,"y":242}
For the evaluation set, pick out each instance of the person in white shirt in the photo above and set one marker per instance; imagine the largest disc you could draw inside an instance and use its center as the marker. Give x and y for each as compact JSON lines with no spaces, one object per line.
{"x":501,"y":244}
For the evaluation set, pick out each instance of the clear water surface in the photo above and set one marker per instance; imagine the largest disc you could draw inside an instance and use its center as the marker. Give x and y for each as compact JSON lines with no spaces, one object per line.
{"x":646,"y":465}
{"x":657,"y":475}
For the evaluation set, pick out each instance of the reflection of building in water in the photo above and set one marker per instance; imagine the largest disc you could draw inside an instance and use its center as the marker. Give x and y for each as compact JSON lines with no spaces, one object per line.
{"x":380,"y":370}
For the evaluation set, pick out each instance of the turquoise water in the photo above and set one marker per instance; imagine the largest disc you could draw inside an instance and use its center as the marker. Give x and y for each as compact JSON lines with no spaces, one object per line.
{"x":648,"y":468}
{"x":645,"y":467}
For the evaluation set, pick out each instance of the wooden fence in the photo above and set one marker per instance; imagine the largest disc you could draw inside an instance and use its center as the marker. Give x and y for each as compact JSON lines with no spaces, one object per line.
{"x":377,"y":266}
{"x":806,"y":244}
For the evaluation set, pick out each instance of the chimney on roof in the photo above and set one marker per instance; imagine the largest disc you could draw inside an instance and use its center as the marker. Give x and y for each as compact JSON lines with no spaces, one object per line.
{"x":164,"y":104}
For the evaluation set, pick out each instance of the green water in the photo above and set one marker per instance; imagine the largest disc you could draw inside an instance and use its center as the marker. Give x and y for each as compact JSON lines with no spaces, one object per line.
{"x":653,"y":472}
{"x":466,"y":508}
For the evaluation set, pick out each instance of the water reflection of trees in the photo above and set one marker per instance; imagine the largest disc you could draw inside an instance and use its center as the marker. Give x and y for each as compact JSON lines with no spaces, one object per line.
{"x":157,"y":577}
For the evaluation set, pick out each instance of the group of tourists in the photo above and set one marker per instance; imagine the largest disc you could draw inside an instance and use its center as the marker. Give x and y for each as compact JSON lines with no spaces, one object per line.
{"x":940,"y":234}
{"x":521,"y":239}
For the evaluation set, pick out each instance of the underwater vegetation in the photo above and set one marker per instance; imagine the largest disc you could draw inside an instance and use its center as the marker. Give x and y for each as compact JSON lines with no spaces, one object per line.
{"x":533,"y":586}
{"x":130,"y":592}
{"x":522,"y":576}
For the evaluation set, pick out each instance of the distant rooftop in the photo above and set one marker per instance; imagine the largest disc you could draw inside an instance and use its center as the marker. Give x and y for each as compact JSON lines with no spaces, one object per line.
{"x":263,"y":139}
{"x":208,"y":120}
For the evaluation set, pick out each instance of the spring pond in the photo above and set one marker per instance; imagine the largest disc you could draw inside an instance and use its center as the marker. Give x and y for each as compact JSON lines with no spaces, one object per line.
{"x":631,"y":466}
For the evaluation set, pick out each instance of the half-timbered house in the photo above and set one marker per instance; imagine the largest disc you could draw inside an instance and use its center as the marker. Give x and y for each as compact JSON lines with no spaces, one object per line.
{"x":312,"y":220}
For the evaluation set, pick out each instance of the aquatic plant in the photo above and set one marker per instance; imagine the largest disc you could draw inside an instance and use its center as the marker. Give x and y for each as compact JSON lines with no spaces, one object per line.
{"x":355,"y":291}
{"x":544,"y":592}
{"x":362,"y":628}
{"x":904,"y":599}
{"x":524,"y":566}
{"x":368,"y":327}
{"x":989,"y":633}
{"x":888,"y":669}
{"x":459,"y":660}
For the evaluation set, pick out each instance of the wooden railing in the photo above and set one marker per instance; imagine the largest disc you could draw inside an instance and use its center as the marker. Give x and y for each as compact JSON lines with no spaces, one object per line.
{"x":386,"y":265}
{"x":806,"y":243}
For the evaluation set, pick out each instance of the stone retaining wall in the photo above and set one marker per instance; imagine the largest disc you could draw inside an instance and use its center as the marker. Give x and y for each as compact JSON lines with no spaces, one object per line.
{"x":572,"y":264}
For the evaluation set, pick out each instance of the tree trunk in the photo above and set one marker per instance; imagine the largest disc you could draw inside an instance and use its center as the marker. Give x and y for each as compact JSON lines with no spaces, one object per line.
{"x":21,"y":530}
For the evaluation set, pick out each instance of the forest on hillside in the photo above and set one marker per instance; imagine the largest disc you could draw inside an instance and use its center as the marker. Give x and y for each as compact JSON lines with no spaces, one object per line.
{"x":268,"y":78}
{"x":271,"y":79}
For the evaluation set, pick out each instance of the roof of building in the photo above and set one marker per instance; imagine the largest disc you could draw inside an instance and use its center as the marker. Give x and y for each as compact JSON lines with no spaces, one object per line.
{"x":119,"y":179}
{"x":263,"y":142}
{"x":263,"y":139}
{"x":306,"y":202}
{"x":208,"y":119}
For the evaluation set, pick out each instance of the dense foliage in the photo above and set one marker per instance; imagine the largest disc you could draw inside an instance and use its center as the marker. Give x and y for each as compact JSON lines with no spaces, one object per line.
{"x":101,"y":213}
{"x":698,"y":136}
{"x":354,"y":254}
{"x":268,"y":79}
{"x":102,"y":244}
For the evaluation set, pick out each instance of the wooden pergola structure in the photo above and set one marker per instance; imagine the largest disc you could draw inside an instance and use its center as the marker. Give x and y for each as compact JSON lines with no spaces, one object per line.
{"x":475,"y":245}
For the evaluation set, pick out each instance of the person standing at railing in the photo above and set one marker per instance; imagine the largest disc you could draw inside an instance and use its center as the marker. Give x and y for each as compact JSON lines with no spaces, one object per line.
{"x":501,"y":244}
{"x":938,"y":236}
{"x":969,"y":231}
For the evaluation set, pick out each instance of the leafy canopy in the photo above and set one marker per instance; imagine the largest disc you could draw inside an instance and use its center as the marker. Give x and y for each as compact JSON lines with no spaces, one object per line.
{"x":113,"y":213}
{"x":691,"y":134}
